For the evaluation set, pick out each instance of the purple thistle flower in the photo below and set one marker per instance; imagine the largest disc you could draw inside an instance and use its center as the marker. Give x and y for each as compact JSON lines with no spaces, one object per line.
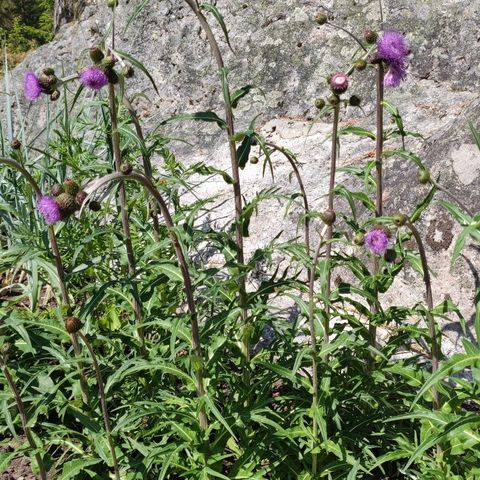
{"x":94,"y":78}
{"x":396,"y":73}
{"x":31,"y":86}
{"x":393,"y":47}
{"x":377,"y":241}
{"x":49,"y":209}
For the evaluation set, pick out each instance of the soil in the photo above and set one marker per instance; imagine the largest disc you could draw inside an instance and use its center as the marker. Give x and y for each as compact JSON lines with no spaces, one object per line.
{"x":19,"y":468}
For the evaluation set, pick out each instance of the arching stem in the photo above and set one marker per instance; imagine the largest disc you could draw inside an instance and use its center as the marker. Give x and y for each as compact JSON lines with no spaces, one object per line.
{"x":188,"y":287}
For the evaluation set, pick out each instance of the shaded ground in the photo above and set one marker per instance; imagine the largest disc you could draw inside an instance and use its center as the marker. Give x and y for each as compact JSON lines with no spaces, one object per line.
{"x":19,"y":469}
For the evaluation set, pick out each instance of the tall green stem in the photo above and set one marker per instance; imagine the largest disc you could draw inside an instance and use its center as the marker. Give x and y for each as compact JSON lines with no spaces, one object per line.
{"x":379,"y":180}
{"x":103,"y":404}
{"x":329,"y":235}
{"x":237,"y":192}
{"x":24,"y":419}
{"x":122,"y":194}
{"x":435,"y":348}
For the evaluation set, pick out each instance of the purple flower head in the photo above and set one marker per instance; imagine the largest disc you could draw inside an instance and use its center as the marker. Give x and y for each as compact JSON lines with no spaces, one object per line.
{"x":49,"y":209}
{"x":339,"y":83}
{"x":377,"y":241}
{"x":393,"y":47}
{"x":396,"y":73}
{"x":31,"y":86}
{"x":94,"y":78}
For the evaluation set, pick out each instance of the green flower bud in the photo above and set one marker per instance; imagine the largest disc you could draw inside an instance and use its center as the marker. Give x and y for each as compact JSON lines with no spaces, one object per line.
{"x":128,"y":71}
{"x":71,"y":187}
{"x":72,"y":324}
{"x":16,"y":144}
{"x":370,"y":36}
{"x":354,"y":101}
{"x":424,"y":176}
{"x":329,"y":216}
{"x":57,"y":189}
{"x":66,"y":202}
{"x":361,"y":64}
{"x":359,"y":239}
{"x":253,"y":160}
{"x":126,"y":168}
{"x":80,"y":198}
{"x":112,"y":3}
{"x":96,"y":54}
{"x":399,"y":219}
{"x":321,"y":18}
{"x":94,"y":206}
{"x":319,"y":103}
{"x":334,"y":99}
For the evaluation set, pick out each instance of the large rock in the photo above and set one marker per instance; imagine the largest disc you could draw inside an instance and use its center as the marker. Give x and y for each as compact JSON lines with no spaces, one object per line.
{"x":282,"y":51}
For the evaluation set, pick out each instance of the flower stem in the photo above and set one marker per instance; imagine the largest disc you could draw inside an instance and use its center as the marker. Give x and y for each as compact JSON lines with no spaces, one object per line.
{"x":195,"y":331}
{"x":435,"y":348}
{"x":24,"y":419}
{"x":379,"y":180}
{"x":237,"y":192}
{"x":59,"y":266}
{"x":103,"y":403}
{"x":329,"y":235}
{"x":137,"y":308}
{"x":147,"y":165}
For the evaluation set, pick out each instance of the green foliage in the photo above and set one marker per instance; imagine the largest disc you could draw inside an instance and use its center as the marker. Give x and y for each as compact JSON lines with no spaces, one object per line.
{"x":373,"y":418}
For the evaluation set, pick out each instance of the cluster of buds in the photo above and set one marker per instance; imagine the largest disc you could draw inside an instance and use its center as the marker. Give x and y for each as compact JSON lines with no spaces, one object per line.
{"x":46,"y":82}
{"x":68,"y":196}
{"x":103,"y":71}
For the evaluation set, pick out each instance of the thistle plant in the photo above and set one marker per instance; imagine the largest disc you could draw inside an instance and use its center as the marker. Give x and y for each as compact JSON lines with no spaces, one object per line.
{"x":236,"y":382}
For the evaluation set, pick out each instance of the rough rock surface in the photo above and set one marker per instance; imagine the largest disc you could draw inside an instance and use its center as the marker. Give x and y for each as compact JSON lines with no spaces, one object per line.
{"x":280,"y":49}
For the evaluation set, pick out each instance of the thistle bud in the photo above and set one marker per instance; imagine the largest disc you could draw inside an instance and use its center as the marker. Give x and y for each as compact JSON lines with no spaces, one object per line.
{"x":72,"y":324}
{"x":354,"y":101}
{"x":57,"y":189}
{"x":339,"y":83}
{"x":359,"y":239}
{"x":253,"y":160}
{"x":96,"y":54}
{"x":334,"y":99}
{"x":390,"y":255}
{"x":128,"y":71}
{"x":360,"y":64}
{"x":55,"y":96}
{"x":329,"y":216}
{"x":112,"y":3}
{"x":126,"y":168}
{"x":16,"y":144}
{"x":399,"y":219}
{"x":80,"y":197}
{"x":370,"y":36}
{"x":112,"y":76}
{"x":108,"y":62}
{"x":94,"y":206}
{"x":71,"y":187}
{"x":48,"y":71}
{"x":7,"y":348}
{"x":321,"y":18}
{"x":424,"y":176}
{"x":67,"y":204}
{"x":47,"y":82}
{"x":319,"y":103}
